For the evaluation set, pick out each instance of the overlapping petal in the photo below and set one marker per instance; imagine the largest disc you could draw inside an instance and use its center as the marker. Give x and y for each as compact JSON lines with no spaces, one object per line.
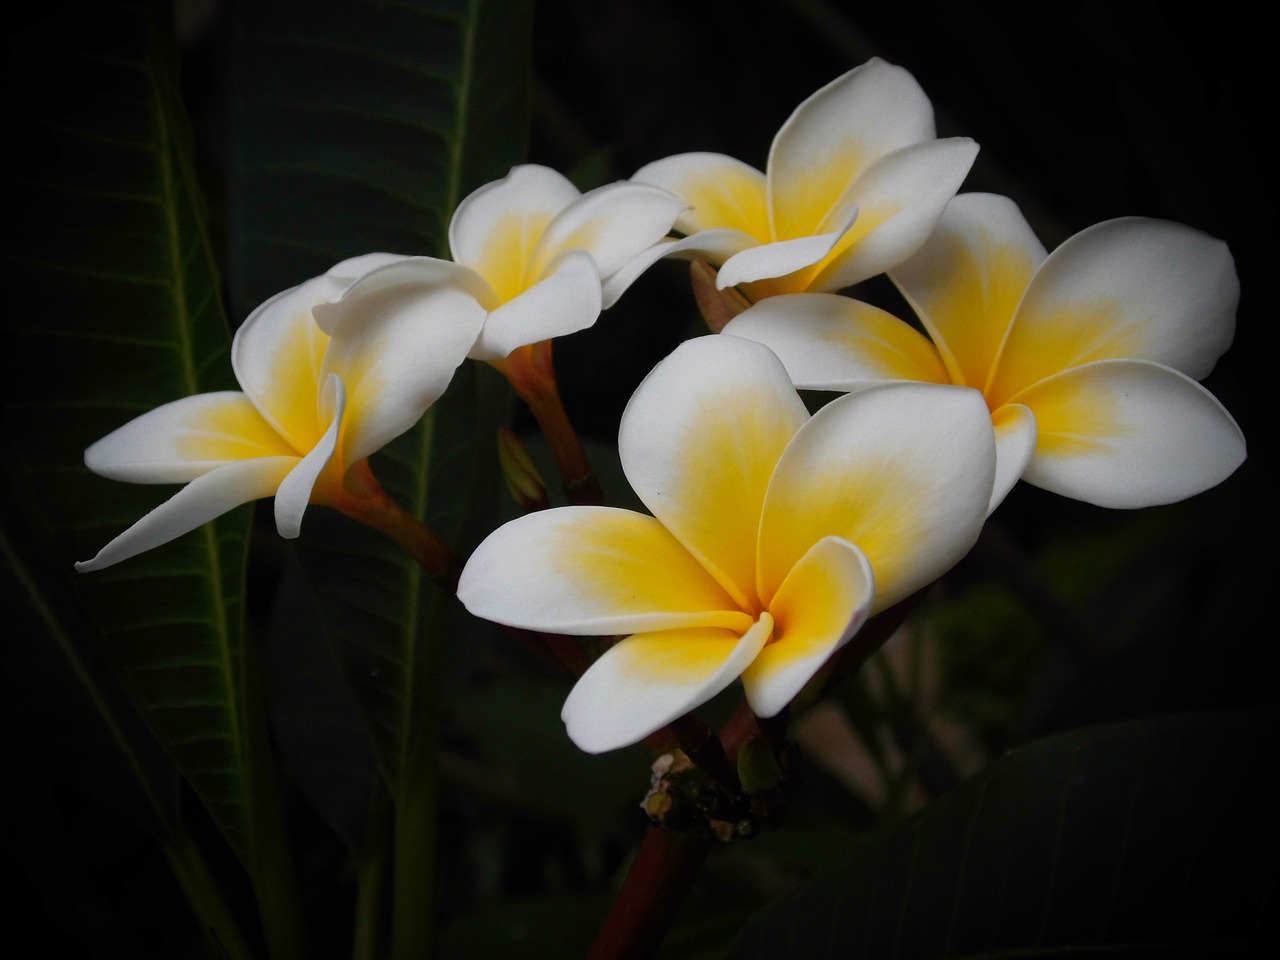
{"x":1129,"y":433}
{"x":312,"y":406}
{"x":721,"y":192}
{"x":277,"y":354}
{"x":899,"y":201}
{"x":650,"y":679}
{"x":204,"y":498}
{"x":179,"y":441}
{"x":767,"y":527}
{"x":785,"y":257}
{"x":836,"y":134}
{"x":828,"y":342}
{"x":568,"y":299}
{"x":612,"y":223}
{"x":1129,"y":288}
{"x":967,"y":281}
{"x":820,"y":605}
{"x":593,"y":571}
{"x":855,"y":183}
{"x":1036,"y":333}
{"x":296,"y":490}
{"x":497,"y":228}
{"x":1015,"y":428}
{"x":699,"y":441}
{"x":397,"y":338}
{"x":545,"y":260}
{"x":904,"y":470}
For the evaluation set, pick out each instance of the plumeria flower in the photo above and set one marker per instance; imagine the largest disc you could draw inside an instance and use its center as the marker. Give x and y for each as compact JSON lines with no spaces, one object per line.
{"x":855,"y":183}
{"x":543,"y":259}
{"x":313,"y":405}
{"x":773,"y":536}
{"x":1087,"y":358}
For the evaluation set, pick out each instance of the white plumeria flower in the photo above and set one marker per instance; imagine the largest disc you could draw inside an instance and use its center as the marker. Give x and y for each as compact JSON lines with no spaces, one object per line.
{"x":543,"y":259}
{"x":774,"y":535}
{"x":314,"y":406}
{"x":855,"y":183}
{"x":1087,"y":358}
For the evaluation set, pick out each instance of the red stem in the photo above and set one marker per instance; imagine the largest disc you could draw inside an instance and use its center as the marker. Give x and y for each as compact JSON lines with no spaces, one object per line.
{"x":656,"y":886}
{"x":533,"y":377}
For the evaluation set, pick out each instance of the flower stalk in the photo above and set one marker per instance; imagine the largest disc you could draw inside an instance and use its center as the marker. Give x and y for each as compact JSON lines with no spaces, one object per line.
{"x":533,"y":377}
{"x":656,"y":886}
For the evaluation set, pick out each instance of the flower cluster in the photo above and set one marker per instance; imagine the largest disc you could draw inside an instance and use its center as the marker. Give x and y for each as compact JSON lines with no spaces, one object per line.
{"x":772,"y":534}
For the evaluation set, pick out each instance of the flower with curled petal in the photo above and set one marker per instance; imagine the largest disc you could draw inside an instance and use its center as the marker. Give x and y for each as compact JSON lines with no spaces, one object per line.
{"x":773,"y":536}
{"x":855,"y":183}
{"x":314,"y":405}
{"x":1087,"y":357}
{"x":543,"y":259}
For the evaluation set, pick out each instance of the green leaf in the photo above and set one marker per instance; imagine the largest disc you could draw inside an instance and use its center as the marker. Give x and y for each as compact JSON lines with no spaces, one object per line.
{"x":359,"y":126}
{"x":556,"y":927}
{"x":119,"y":311}
{"x":551,"y":777}
{"x":1150,"y":838}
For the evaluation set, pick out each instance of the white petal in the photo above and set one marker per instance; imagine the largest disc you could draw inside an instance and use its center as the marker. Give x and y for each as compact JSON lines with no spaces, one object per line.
{"x":201,"y":500}
{"x":966,"y":282}
{"x":397,"y":340}
{"x":828,"y":342}
{"x":614,"y":223}
{"x":341,"y":275}
{"x":496,"y":228}
{"x":899,"y":198}
{"x":715,"y":246}
{"x":648,"y":680}
{"x":1128,"y":433}
{"x":592,"y":571}
{"x":567,"y":300}
{"x":699,"y":441}
{"x":295,"y":490}
{"x":722,"y":193}
{"x":403,"y":272}
{"x":824,"y":600}
{"x":616,"y":284}
{"x":778,"y":259}
{"x":903,"y":470}
{"x":1015,"y":427}
{"x":277,"y":354}
{"x":1125,"y":289}
{"x":836,"y":134}
{"x":182,"y":440}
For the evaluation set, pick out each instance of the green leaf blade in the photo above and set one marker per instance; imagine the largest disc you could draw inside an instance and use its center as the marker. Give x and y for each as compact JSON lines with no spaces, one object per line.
{"x":120,"y":313}
{"x":1145,"y":838}
{"x":360,"y":126}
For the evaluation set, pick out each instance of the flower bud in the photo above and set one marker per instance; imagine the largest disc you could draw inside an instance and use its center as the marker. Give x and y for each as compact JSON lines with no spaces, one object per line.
{"x":718,"y":307}
{"x":519,"y":471}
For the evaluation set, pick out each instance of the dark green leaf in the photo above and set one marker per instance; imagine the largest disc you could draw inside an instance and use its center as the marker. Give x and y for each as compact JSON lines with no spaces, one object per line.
{"x":359,"y":127}
{"x":515,"y":725}
{"x":560,"y":927}
{"x":119,"y":311}
{"x":1151,"y":838}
